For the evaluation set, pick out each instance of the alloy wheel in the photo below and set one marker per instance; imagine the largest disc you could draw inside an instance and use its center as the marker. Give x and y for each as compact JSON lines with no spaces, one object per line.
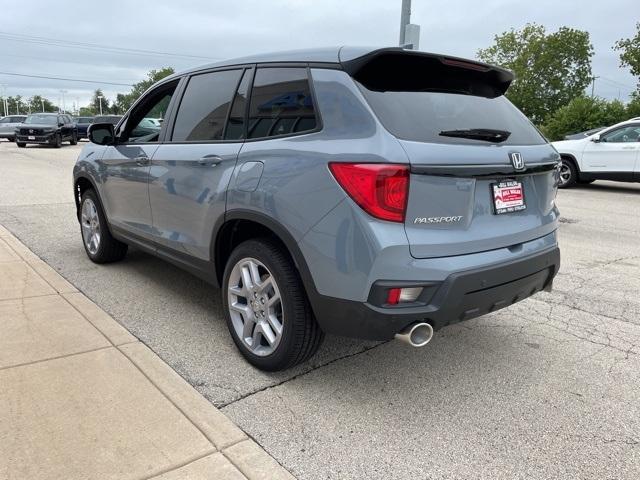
{"x":565,"y":173}
{"x":90,"y":222}
{"x":255,"y":306}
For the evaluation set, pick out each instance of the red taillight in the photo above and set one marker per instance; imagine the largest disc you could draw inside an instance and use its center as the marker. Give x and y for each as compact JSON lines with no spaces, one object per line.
{"x":381,"y":189}
{"x":393,"y":297}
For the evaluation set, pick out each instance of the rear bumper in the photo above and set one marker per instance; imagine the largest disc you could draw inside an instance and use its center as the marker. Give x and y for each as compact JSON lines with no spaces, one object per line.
{"x":461,"y":296}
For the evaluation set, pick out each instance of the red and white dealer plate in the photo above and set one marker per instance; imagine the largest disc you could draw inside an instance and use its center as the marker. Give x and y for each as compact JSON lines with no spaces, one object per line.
{"x":508,"y":197}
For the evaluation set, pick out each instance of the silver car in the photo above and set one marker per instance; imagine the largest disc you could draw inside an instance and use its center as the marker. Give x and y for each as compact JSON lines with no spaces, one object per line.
{"x":8,"y":126}
{"x":367,"y":193}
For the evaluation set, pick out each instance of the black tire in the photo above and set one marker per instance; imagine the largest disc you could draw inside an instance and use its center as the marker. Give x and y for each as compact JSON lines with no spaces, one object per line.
{"x":568,"y":174}
{"x":109,"y":250}
{"x":11,"y":139}
{"x":74,"y":139}
{"x":57,"y":142}
{"x":21,"y":144}
{"x":301,"y":334}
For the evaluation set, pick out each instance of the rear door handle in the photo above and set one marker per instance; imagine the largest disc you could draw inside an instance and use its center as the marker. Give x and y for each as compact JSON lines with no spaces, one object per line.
{"x":209,"y":161}
{"x":141,"y":161}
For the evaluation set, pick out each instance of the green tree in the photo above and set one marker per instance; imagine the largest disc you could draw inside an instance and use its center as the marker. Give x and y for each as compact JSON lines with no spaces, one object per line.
{"x":16,"y":105}
{"x":36,"y":103}
{"x":124,"y":101}
{"x":551,"y":68}
{"x":94,"y":106}
{"x":584,"y":113}
{"x":630,"y":53}
{"x":633,"y":107}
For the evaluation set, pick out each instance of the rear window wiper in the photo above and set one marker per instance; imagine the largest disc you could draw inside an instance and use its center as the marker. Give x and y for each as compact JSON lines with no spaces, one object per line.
{"x":487,"y":134}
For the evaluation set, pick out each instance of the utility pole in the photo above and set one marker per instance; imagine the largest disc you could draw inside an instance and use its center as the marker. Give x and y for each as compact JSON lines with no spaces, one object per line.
{"x":405,"y":17}
{"x":100,"y":100}
{"x":409,"y":32}
{"x":593,"y":85}
{"x":42,"y":103}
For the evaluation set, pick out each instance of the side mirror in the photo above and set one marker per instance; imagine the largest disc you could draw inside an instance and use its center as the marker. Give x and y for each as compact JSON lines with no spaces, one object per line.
{"x":101,"y":133}
{"x":596,"y":138}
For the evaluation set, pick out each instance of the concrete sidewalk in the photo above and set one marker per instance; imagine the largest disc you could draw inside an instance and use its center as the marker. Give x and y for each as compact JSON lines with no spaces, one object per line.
{"x":80,"y":397}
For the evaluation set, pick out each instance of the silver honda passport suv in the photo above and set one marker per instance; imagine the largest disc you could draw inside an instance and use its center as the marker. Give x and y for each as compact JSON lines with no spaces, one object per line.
{"x":367,"y":193}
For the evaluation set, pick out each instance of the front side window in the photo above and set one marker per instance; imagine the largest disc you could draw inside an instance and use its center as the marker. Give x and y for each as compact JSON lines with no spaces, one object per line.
{"x":281,"y":103}
{"x":204,"y":107}
{"x":630,"y":133}
{"x":138,"y":129}
{"x":236,"y":123}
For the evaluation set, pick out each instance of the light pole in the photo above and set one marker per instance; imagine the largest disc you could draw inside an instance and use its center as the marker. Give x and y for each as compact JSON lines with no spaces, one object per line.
{"x":42,"y":103}
{"x":4,"y":100}
{"x":409,"y":32}
{"x":64,"y":110}
{"x":100,"y":97}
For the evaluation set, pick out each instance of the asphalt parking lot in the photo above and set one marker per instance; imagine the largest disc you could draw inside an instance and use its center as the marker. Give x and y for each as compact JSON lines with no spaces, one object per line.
{"x":549,"y":388}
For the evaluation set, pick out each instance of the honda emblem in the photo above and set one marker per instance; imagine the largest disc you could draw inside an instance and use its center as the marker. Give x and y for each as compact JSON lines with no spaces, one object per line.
{"x":516,"y":160}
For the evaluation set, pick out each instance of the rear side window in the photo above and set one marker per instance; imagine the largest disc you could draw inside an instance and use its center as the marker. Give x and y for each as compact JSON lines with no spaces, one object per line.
{"x":281,"y":103}
{"x":421,"y":116}
{"x":205,"y":105}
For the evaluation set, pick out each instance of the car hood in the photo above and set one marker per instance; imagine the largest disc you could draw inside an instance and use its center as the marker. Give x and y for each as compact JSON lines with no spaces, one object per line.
{"x":40,"y":126}
{"x":569,"y":144}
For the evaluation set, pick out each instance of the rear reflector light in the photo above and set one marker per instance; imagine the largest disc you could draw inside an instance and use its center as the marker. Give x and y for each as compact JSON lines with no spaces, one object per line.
{"x":403,"y":295}
{"x":381,"y":189}
{"x":394,"y":296}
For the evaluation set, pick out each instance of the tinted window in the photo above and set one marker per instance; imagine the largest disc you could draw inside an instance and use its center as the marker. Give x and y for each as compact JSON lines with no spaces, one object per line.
{"x":281,"y":103}
{"x":235,"y":125}
{"x":630,"y":133}
{"x":152,"y":105}
{"x":204,"y":107}
{"x":421,"y":116}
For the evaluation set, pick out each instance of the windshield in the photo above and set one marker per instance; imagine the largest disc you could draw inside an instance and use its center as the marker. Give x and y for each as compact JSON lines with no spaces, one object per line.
{"x":445,"y":117}
{"x":42,"y":119}
{"x":84,"y":119}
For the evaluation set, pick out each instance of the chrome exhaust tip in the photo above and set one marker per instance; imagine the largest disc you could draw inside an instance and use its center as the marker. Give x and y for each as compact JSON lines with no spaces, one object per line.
{"x":416,"y":335}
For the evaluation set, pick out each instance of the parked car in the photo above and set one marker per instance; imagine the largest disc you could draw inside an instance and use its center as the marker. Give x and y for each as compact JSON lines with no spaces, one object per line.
{"x":581,"y":135}
{"x":611,"y":154}
{"x":113,"y":119}
{"x":47,"y":129}
{"x":8,"y":126}
{"x":82,"y":124}
{"x":156,"y":122}
{"x":331,"y":191}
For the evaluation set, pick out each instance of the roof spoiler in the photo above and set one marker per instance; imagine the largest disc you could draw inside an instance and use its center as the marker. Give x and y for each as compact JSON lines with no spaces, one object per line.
{"x":397,"y":69}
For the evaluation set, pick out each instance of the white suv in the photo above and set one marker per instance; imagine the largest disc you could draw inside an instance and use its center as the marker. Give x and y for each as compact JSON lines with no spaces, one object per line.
{"x":611,"y":154}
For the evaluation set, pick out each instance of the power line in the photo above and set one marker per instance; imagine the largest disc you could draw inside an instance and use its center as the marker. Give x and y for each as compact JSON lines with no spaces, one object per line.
{"x":617,"y":83}
{"x":66,"y":79}
{"x":94,"y":46}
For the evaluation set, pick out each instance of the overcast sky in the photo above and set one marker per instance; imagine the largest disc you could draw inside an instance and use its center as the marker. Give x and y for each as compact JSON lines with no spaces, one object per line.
{"x":219,"y":29}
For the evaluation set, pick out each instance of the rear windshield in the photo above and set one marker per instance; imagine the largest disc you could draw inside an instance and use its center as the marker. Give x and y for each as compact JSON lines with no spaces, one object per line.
{"x":422,"y":116}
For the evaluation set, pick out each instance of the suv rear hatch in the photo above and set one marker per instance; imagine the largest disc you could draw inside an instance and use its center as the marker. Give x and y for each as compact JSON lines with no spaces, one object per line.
{"x":464,"y":141}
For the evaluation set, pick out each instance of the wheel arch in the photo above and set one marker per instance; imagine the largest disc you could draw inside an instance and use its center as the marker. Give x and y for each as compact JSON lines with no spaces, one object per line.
{"x":81,"y":184}
{"x":241,"y":225}
{"x":570,"y":157}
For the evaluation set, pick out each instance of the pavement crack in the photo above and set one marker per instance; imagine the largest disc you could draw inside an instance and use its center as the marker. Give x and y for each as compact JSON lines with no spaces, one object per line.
{"x":301,"y":374}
